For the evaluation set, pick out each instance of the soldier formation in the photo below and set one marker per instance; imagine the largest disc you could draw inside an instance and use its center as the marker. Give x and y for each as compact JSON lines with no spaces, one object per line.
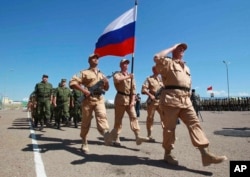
{"x":225,"y":104}
{"x":168,"y":91}
{"x":52,"y":107}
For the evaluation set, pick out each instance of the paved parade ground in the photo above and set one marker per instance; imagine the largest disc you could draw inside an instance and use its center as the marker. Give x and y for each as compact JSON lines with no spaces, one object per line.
{"x":56,"y":153}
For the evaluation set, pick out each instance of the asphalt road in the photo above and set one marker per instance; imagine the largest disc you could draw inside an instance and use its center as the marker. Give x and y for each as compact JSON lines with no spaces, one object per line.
{"x":56,"y":153}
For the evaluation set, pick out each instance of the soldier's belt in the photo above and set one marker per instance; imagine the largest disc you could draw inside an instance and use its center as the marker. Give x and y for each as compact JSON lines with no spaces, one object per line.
{"x":177,"y":87}
{"x":122,"y":93}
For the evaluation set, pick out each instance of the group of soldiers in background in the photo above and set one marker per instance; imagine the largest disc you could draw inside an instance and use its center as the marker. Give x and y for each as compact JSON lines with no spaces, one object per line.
{"x":220,"y":104}
{"x":225,"y":104}
{"x":54,"y":106}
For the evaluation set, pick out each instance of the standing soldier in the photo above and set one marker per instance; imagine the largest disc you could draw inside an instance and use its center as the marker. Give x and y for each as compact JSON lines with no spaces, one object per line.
{"x":32,"y":104}
{"x":195,"y":99}
{"x":76,"y":106}
{"x":125,"y":101}
{"x":152,"y":87}
{"x":61,"y":103}
{"x":138,"y":104}
{"x":93,"y":101}
{"x":43,"y":92}
{"x":175,"y":102}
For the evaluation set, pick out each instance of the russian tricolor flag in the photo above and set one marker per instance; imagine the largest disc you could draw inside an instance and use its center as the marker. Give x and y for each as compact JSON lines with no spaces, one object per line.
{"x":118,"y":38}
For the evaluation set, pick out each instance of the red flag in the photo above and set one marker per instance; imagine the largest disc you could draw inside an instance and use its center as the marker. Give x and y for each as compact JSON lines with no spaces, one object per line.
{"x":210,"y":88}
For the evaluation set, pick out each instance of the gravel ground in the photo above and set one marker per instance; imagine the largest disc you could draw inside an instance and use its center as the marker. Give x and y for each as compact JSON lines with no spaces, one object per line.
{"x":228,"y":133}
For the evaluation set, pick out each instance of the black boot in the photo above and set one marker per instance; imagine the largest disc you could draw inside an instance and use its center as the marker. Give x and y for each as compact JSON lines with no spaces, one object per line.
{"x":41,"y":127}
{"x":75,"y":122}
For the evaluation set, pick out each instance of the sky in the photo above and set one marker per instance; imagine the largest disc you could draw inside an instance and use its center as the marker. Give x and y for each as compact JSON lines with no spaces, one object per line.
{"x":55,"y":37}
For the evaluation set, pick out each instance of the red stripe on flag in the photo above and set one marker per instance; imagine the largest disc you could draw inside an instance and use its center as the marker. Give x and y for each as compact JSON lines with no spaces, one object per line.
{"x":121,"y":49}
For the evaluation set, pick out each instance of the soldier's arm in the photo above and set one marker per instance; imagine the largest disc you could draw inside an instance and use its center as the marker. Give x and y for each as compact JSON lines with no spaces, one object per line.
{"x":75,"y":83}
{"x":54,"y":100}
{"x":119,"y":78}
{"x":105,"y":83}
{"x":82,"y":89}
{"x":165,"y":52}
{"x":145,"y":89}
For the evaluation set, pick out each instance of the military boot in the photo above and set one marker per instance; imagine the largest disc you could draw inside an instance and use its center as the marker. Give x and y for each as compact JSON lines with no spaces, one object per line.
{"x":67,"y":122}
{"x":85,"y":147}
{"x":117,"y":141}
{"x":47,"y":123}
{"x":151,"y":139}
{"x":139,"y":139}
{"x":41,"y":127}
{"x":109,"y":137}
{"x":209,"y":158}
{"x":75,"y":122}
{"x":35,"y":124}
{"x":169,"y":158}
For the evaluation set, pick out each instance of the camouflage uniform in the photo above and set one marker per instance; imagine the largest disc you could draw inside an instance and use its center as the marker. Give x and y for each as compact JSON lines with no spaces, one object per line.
{"x":43,"y":92}
{"x":76,"y":106}
{"x":61,"y":102}
{"x":32,"y":105}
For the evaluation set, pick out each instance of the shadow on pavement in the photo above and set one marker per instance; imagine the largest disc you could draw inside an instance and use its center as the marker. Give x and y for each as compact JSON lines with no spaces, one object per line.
{"x":120,"y":160}
{"x":236,"y":132}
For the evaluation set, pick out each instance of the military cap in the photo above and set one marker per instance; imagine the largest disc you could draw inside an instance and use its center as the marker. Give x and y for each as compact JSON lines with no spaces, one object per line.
{"x":124,"y":60}
{"x":46,"y":76}
{"x":63,"y":80}
{"x":94,"y":55}
{"x":183,"y":45}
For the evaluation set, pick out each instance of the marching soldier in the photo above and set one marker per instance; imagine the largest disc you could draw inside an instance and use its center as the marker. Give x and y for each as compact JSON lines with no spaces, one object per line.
{"x":61,"y":103}
{"x":92,"y":102}
{"x":43,"y":92}
{"x":175,"y":102}
{"x":124,"y":102}
{"x":76,"y":106}
{"x":32,"y":104}
{"x":152,"y":87}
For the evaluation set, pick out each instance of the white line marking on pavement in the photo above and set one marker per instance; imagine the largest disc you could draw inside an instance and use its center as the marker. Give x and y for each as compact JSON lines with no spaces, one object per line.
{"x":40,"y":171}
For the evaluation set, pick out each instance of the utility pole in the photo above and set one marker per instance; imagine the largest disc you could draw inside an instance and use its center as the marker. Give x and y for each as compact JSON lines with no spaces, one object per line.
{"x":228,"y":97}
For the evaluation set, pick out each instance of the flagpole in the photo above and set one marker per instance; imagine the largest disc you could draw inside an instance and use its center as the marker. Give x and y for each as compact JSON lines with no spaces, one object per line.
{"x":133,"y":54}
{"x":132,"y":60}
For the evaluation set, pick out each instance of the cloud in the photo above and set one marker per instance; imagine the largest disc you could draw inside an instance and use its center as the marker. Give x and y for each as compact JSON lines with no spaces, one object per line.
{"x":217,"y":93}
{"x":110,"y":101}
{"x":243,"y":94}
{"x":25,"y":99}
{"x":224,"y":93}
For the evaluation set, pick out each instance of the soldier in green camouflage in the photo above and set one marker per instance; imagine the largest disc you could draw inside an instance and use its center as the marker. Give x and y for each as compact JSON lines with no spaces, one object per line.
{"x":61,"y":103}
{"x":32,"y":104}
{"x":43,"y":93}
{"x":76,"y":106}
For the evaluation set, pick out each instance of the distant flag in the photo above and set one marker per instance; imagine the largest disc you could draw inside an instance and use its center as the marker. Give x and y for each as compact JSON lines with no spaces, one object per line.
{"x":210,"y":88}
{"x":118,"y":37}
